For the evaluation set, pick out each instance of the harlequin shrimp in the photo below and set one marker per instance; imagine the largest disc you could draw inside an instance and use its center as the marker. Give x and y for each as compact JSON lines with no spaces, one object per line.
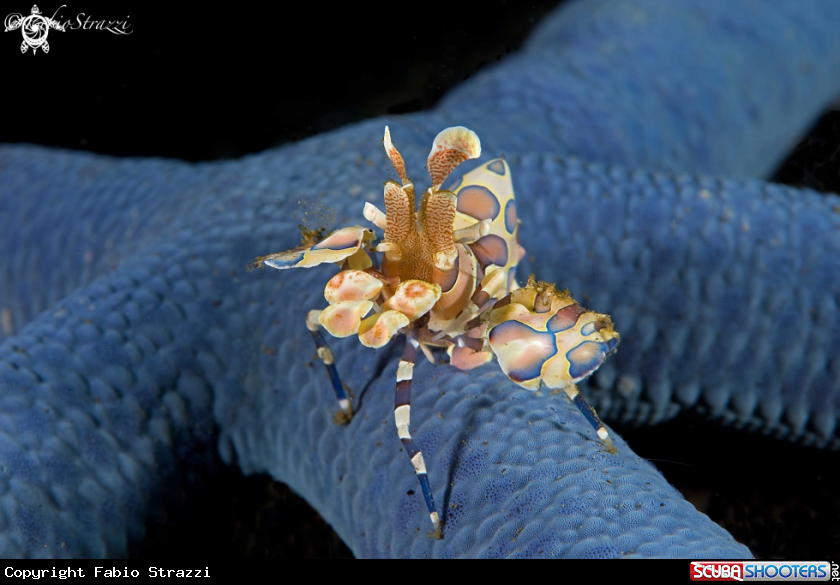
{"x":443,"y":275}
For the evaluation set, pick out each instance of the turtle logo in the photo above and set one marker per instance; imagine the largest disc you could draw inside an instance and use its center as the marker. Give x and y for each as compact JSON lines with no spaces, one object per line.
{"x":35,"y":28}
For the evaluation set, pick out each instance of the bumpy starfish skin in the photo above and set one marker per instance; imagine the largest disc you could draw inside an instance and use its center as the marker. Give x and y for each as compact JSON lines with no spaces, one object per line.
{"x":126,"y":388}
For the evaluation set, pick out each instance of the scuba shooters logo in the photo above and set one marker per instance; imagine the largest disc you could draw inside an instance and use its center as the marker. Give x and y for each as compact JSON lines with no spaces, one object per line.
{"x":36,"y":27}
{"x":763,"y":571}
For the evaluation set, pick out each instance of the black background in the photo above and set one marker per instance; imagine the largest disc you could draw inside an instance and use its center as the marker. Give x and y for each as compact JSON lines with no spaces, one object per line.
{"x":203,"y":83}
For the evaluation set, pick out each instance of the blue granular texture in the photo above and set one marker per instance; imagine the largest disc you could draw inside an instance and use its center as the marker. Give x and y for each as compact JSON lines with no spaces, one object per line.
{"x":142,"y":351}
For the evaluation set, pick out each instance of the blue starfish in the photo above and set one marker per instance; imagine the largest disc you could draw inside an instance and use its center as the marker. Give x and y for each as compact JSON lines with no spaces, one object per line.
{"x":158,"y":353}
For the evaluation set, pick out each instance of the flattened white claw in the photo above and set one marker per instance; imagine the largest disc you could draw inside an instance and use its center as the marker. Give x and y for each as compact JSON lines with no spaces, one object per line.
{"x":414,"y":298}
{"x":352,"y":285}
{"x":377,"y":330}
{"x":282,"y":260}
{"x":465,"y":358}
{"x":336,"y":247}
{"x":343,"y":318}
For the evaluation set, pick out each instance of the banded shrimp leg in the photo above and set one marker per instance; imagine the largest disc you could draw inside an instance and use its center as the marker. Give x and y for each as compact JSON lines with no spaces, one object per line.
{"x":326,"y":356}
{"x":402,"y":418}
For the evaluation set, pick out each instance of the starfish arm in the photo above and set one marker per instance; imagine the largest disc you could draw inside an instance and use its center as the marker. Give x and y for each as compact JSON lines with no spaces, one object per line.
{"x":123,"y":390}
{"x":724,"y":291}
{"x":701,"y":87}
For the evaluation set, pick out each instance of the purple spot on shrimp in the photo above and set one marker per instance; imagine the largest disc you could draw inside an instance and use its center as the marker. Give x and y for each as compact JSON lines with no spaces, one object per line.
{"x":521,"y":350}
{"x":586,"y":358}
{"x":497,"y":166}
{"x":589,"y":328}
{"x":510,"y":216}
{"x":565,"y":318}
{"x":491,"y":249}
{"x":478,"y":202}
